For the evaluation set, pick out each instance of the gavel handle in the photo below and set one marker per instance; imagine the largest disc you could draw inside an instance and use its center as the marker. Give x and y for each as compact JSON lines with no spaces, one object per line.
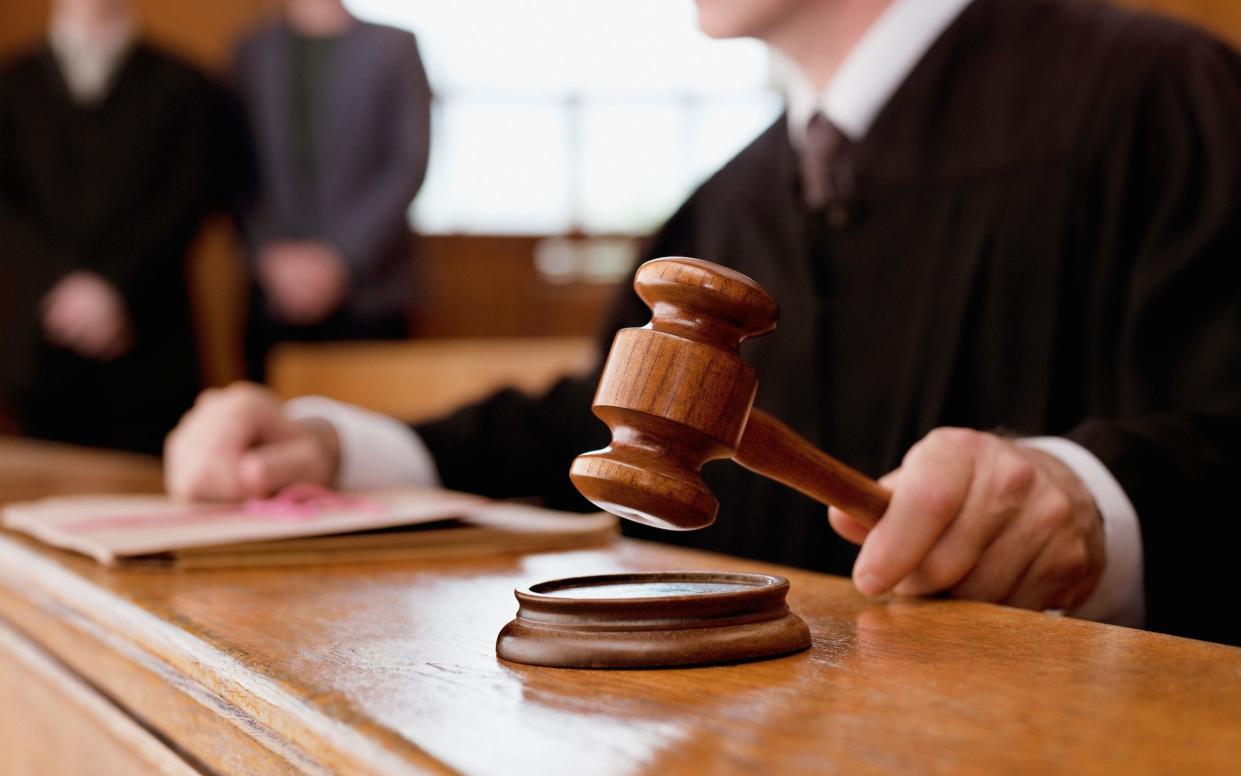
{"x":776,"y":451}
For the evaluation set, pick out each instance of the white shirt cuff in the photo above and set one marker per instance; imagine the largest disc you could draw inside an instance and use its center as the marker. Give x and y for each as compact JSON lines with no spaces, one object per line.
{"x":376,"y":451}
{"x":1120,"y":596}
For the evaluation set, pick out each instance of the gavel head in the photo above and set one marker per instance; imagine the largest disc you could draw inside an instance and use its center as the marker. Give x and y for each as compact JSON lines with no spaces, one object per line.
{"x":675,"y":393}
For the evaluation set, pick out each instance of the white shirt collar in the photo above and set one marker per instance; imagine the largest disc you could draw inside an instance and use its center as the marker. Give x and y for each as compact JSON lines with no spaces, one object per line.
{"x":872,"y":72}
{"x":89,"y":61}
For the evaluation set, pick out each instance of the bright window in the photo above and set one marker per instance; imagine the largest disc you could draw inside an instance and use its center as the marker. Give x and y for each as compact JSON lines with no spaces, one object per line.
{"x":555,"y":116}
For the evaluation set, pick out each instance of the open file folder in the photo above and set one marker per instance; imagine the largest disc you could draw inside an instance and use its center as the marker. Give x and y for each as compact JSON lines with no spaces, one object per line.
{"x":303,"y":524}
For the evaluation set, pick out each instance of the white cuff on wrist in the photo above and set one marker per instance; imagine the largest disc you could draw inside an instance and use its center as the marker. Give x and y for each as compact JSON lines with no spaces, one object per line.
{"x":376,"y":451}
{"x":1120,"y":596}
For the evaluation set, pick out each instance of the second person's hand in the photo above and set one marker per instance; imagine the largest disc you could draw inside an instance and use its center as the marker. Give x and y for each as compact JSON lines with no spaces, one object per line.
{"x":237,"y":443}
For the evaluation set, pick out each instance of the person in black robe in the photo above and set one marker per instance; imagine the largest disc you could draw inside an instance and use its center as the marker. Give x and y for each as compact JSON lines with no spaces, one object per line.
{"x":1038,"y":240}
{"x":110,"y":157}
{"x":1035,"y":239}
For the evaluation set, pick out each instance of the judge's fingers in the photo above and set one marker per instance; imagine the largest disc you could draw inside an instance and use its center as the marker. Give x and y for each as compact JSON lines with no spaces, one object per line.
{"x":266,"y":469}
{"x":193,"y":474}
{"x":1008,"y":559}
{"x":1051,"y":553}
{"x":849,"y":529}
{"x":935,"y":480}
{"x":202,"y":454}
{"x":1060,"y":577}
{"x":846,"y":525}
{"x":1003,"y":479}
{"x":193,"y":467}
{"x":247,"y":414}
{"x":891,"y":479}
{"x":997,"y":573}
{"x":1064,"y":573}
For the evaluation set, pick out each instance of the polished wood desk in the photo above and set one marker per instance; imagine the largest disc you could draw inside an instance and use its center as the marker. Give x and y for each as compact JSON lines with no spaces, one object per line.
{"x":391,"y":668}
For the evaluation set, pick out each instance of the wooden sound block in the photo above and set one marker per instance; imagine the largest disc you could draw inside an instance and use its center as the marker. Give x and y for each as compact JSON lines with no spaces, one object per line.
{"x":652,"y":620}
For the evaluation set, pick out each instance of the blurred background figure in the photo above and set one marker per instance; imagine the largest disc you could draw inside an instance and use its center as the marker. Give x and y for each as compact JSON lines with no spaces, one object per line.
{"x":108,"y":164}
{"x":340,"y":111}
{"x":551,"y":163}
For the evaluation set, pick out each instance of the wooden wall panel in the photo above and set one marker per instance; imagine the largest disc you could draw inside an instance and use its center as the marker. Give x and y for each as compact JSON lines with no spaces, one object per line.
{"x":21,"y":21}
{"x":480,"y":286}
{"x":1222,"y":17}
{"x":204,"y":32}
{"x":418,"y":380}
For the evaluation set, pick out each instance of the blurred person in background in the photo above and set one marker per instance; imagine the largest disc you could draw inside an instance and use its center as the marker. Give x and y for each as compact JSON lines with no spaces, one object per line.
{"x":110,"y":157}
{"x":340,"y":113}
{"x":1002,"y":234}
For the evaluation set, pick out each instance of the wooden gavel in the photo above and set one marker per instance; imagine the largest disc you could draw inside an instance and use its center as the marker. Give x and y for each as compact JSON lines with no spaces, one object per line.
{"x":676,"y":394}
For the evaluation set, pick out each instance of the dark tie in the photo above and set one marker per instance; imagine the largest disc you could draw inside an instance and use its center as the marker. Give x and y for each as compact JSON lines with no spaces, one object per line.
{"x":819,"y":184}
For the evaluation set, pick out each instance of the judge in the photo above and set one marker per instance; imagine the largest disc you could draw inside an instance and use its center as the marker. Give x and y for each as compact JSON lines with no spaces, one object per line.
{"x":1001,"y":234}
{"x":106,"y":171}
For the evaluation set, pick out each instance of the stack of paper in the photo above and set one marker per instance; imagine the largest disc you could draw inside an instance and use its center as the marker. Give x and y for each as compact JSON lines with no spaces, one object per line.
{"x":304,"y":524}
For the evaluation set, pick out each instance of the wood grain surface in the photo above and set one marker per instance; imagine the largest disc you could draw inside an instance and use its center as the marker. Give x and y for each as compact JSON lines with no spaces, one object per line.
{"x":52,"y":722}
{"x":390,"y":668}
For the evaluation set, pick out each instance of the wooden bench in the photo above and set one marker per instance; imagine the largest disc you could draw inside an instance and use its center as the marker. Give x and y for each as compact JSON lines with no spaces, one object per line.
{"x":421,"y":379}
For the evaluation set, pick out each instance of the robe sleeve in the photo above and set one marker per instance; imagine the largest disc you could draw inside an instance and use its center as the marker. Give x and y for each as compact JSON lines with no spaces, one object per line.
{"x":512,"y":445}
{"x":1167,"y":421}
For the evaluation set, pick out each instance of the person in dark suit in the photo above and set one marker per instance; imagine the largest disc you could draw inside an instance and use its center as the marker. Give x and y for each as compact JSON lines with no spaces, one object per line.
{"x":340,"y":113}
{"x":1001,"y":233}
{"x":110,"y":157}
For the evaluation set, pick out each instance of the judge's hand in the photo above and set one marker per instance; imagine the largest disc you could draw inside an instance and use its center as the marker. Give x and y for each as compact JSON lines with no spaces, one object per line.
{"x":236,"y":443}
{"x":305,"y":281}
{"x":85,"y":313}
{"x":979,"y":517}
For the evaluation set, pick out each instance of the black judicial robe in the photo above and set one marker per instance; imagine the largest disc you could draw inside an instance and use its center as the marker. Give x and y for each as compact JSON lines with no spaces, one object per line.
{"x":119,"y":189}
{"x":1041,"y":240}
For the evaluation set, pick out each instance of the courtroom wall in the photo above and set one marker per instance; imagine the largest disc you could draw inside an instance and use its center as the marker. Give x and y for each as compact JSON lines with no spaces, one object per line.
{"x":203,"y":31}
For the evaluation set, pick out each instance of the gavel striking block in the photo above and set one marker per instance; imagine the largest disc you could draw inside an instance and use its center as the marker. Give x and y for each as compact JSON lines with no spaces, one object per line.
{"x":676,"y":394}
